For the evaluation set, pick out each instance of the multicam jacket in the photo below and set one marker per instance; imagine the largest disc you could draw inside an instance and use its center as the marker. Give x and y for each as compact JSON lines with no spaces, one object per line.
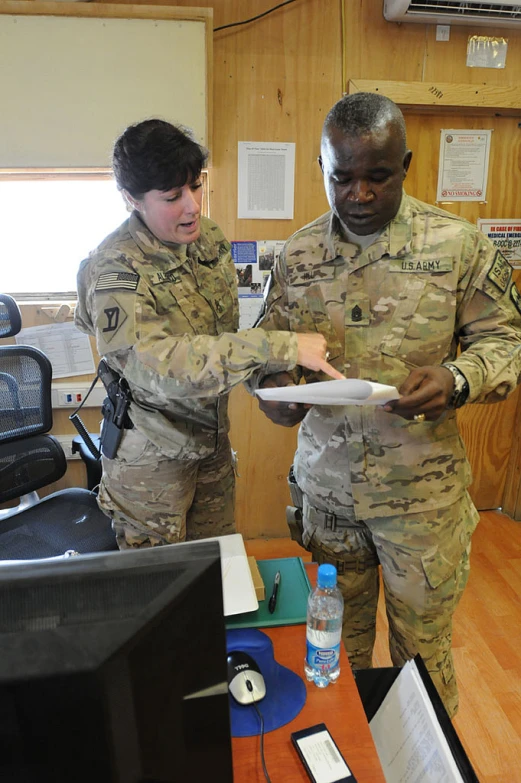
{"x":165,"y":317}
{"x":430,"y":283}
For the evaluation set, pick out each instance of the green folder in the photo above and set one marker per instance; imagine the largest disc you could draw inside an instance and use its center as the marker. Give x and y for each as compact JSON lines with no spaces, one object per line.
{"x":292,"y":596}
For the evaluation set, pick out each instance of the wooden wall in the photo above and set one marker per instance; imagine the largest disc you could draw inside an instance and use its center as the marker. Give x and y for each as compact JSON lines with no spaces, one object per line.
{"x":274,"y":80}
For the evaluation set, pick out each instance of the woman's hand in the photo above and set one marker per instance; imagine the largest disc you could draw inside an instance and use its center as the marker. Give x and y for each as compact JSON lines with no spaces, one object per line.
{"x":313,"y":354}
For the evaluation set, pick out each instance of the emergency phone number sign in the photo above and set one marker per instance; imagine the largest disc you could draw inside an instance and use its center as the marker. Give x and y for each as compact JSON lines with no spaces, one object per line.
{"x":506,"y":235}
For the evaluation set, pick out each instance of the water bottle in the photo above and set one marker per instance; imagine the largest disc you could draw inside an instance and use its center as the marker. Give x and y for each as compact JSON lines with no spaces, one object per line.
{"x":324,"y":629}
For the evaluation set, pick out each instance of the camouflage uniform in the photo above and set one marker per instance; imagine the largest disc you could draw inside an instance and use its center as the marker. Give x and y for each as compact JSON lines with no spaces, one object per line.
{"x":165,"y":318}
{"x":378,"y":488}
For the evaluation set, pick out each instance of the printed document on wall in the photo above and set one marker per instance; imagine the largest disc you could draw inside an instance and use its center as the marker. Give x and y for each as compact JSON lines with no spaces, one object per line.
{"x":266,"y":180}
{"x":68,"y":349}
{"x":463,"y":166}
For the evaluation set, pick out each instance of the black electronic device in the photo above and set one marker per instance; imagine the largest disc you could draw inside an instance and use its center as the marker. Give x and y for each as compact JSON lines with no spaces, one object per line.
{"x":113,"y":668}
{"x":320,"y":755}
{"x":245,"y":679}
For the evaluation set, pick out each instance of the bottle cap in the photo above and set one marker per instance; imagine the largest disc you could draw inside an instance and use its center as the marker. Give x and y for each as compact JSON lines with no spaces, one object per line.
{"x":326,"y":576}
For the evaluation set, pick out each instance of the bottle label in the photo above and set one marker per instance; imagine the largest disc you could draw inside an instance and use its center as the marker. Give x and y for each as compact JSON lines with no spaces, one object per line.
{"x":322,"y":658}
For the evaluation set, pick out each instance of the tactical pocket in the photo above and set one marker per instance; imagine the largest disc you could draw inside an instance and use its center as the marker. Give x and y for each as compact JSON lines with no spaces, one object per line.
{"x":421,"y":328}
{"x":440,"y":562}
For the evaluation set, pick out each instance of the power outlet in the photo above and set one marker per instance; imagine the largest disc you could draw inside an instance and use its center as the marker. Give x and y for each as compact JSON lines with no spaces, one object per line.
{"x":68,"y":395}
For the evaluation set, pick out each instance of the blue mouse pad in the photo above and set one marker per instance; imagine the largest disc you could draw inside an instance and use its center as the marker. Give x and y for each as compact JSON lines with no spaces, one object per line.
{"x":285,"y":690}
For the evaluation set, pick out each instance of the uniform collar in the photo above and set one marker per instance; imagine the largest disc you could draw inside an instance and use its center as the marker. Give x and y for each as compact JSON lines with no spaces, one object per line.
{"x":204,"y":250}
{"x":394,"y":240}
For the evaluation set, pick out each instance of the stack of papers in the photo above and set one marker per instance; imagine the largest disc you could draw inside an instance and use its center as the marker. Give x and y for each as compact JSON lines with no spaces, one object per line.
{"x":348,"y":391}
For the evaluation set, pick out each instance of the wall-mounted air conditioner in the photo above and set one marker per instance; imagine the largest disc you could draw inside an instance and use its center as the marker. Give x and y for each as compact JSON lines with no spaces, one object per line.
{"x":491,"y":14}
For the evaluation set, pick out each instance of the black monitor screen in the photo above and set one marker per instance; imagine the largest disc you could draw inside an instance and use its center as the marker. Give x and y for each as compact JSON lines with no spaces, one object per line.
{"x":113,"y":668}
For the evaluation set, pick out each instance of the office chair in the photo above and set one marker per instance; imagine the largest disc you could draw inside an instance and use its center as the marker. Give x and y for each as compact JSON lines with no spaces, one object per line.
{"x":31,"y":459}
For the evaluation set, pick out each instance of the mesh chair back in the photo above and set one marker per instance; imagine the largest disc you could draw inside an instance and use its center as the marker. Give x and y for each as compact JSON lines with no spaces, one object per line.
{"x":27,"y":465}
{"x":25,"y":392}
{"x":10,"y":317}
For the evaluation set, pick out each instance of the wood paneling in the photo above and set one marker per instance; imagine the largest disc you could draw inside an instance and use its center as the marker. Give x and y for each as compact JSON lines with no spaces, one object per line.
{"x":274,"y":80}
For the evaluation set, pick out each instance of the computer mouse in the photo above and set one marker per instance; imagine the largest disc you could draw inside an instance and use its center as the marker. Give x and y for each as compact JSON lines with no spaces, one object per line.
{"x":245,"y":681}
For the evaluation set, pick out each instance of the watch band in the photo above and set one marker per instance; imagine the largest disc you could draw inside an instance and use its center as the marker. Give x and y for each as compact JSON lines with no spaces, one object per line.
{"x":461,"y":388}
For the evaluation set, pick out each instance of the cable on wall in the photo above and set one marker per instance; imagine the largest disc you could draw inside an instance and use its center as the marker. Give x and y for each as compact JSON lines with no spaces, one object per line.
{"x":253,"y":18}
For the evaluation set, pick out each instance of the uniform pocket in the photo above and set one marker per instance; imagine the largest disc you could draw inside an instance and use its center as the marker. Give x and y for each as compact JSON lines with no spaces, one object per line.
{"x":421,"y":329}
{"x":441,"y":561}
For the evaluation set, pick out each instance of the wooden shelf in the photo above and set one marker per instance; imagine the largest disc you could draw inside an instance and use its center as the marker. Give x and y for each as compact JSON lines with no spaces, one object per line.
{"x":432,"y":97}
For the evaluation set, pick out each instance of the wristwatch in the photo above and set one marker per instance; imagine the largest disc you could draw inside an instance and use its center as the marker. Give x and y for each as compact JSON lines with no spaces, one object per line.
{"x":461,"y":389}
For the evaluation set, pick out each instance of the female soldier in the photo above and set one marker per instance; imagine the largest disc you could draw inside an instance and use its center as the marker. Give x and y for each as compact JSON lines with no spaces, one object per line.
{"x":160,"y":296}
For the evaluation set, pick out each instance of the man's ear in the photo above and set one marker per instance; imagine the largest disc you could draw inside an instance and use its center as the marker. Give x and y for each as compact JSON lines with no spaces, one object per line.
{"x":407,"y":162}
{"x":320,"y":163}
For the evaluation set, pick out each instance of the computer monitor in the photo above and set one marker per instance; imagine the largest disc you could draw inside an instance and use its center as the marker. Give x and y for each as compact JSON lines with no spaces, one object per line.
{"x":113,"y":668}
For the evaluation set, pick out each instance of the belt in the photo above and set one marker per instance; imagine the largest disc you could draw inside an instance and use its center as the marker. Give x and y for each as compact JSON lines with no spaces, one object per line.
{"x":327,"y":520}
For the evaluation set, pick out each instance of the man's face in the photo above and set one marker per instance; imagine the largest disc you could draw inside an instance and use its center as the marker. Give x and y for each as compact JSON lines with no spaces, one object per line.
{"x":363,"y":177}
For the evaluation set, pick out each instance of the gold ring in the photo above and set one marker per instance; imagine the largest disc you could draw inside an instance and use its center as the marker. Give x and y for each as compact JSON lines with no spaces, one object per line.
{"x":419,"y":417}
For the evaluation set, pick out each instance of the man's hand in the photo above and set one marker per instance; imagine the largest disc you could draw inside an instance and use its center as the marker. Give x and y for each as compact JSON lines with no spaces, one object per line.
{"x":426,"y":391}
{"x":286,"y":414}
{"x":312,"y":353}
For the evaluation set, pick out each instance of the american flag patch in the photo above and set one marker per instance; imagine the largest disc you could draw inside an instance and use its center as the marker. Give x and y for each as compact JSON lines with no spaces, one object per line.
{"x":116,"y":280}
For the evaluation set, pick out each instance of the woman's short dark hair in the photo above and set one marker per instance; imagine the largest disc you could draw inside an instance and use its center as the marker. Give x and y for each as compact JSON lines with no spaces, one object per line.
{"x":156,"y":155}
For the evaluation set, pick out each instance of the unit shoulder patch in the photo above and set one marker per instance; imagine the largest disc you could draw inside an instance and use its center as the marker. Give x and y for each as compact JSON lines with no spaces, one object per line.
{"x":111,"y":319}
{"x":500,"y":272}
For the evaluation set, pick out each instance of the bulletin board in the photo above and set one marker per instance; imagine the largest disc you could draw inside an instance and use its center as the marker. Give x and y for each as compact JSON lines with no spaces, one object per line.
{"x":75,"y":75}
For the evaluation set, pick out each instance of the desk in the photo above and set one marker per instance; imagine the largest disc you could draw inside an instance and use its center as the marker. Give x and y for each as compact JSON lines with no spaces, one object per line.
{"x":338,"y":706}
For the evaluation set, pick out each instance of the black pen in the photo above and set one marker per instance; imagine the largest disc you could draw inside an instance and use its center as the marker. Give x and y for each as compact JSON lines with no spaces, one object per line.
{"x":273,"y":600}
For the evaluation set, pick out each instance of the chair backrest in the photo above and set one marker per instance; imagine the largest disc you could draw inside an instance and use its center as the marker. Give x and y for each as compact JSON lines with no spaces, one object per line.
{"x":25,"y":392}
{"x":10,"y":317}
{"x":30,"y":464}
{"x":29,"y":459}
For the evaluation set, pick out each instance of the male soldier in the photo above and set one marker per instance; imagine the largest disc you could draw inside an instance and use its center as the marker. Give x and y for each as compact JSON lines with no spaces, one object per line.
{"x":395,"y":286}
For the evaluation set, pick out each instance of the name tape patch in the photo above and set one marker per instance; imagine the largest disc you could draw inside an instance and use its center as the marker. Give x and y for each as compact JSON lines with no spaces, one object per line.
{"x":170,"y":276}
{"x":110,"y":281}
{"x":421,"y":265}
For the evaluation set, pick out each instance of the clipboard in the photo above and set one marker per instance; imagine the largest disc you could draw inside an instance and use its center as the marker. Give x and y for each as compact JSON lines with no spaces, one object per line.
{"x":373,"y":686}
{"x":292,"y":597}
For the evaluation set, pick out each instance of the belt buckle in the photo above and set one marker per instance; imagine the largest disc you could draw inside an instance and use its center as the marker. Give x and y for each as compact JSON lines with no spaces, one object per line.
{"x":330,"y":522}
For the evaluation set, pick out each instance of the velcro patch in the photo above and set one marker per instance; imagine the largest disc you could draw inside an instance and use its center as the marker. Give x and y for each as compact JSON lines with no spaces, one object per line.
{"x":170,"y":276}
{"x":111,"y":319}
{"x":515,"y":297}
{"x":430,"y":265}
{"x":112,"y":281}
{"x":500,"y":272}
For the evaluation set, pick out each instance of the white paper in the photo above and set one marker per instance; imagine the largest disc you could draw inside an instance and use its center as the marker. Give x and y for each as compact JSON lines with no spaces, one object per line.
{"x":266,"y":180}
{"x":463,"y":166}
{"x":343,"y":392}
{"x":68,"y":349}
{"x":408,"y":737}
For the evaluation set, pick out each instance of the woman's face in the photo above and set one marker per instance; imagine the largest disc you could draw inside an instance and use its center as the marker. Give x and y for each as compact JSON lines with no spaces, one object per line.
{"x":173,"y":215}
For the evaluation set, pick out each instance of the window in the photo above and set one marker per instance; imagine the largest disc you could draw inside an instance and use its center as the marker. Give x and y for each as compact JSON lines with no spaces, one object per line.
{"x":52,"y":222}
